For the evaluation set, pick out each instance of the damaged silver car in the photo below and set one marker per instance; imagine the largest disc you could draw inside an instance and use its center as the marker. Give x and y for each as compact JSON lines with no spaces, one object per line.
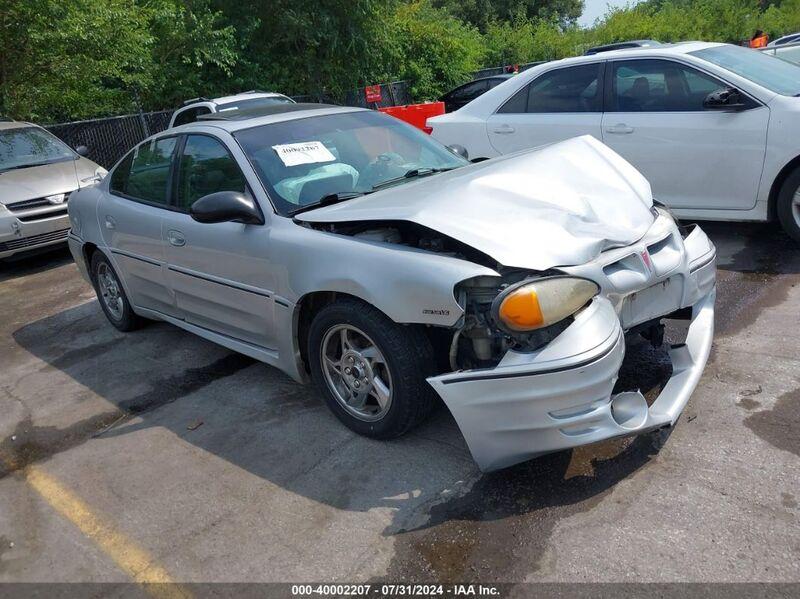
{"x":348,"y":248}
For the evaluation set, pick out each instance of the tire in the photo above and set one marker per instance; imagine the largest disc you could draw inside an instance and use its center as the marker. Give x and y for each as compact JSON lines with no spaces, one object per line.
{"x":403,"y":360}
{"x":111,"y":295}
{"x":788,"y":206}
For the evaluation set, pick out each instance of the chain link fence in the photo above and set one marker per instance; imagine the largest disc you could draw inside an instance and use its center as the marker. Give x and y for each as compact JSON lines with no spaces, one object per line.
{"x":108,"y":139}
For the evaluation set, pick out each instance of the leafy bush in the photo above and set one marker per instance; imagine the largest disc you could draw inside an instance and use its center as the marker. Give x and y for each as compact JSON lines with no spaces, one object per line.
{"x":73,"y":59}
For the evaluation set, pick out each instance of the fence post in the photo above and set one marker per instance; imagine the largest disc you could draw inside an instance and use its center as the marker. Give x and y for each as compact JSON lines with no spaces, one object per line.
{"x":142,"y":120}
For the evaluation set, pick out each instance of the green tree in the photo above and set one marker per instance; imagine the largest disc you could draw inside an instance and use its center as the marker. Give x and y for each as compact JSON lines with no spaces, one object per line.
{"x":76,"y":59}
{"x":438,"y":51}
{"x":482,"y":13}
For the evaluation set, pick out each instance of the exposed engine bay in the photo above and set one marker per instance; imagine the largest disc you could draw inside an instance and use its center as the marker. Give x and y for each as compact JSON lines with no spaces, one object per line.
{"x":478,"y":342}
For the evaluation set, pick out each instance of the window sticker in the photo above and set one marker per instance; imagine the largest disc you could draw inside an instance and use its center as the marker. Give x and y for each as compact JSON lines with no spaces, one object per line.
{"x":308,"y":152}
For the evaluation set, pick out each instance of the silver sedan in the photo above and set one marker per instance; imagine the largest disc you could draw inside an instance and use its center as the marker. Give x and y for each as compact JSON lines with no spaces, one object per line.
{"x":38,"y":172}
{"x":348,"y":248}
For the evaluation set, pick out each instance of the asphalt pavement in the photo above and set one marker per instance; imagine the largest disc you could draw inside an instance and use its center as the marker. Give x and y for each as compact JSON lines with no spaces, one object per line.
{"x":156,"y":455}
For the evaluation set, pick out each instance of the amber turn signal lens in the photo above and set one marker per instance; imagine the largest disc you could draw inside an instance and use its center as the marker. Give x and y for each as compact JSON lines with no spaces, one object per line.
{"x":539,"y":303}
{"x":520,"y":310}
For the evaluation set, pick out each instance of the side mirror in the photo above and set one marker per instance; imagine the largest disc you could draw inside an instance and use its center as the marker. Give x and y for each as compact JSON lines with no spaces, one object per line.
{"x":727,"y":98}
{"x":459,"y":150}
{"x":81,"y":150}
{"x":226,"y":206}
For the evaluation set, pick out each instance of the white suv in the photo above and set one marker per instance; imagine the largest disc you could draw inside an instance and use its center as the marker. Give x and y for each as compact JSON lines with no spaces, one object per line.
{"x":197,"y":107}
{"x":715,"y":128}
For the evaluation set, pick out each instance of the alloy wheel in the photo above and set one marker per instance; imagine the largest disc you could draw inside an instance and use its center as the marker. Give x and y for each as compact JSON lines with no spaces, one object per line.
{"x":356,"y":372}
{"x":110,"y":293}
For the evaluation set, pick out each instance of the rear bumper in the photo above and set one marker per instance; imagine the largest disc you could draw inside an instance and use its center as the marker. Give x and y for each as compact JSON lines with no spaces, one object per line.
{"x":76,"y":249}
{"x":562,"y":395}
{"x":17,"y":236}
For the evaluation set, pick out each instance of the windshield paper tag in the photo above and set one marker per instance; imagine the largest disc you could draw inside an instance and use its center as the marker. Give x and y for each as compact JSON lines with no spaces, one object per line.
{"x":308,"y":152}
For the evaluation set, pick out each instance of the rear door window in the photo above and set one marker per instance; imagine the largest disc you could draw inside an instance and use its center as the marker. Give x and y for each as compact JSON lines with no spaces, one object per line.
{"x":570,"y":89}
{"x":190,"y":115}
{"x":145,"y":173}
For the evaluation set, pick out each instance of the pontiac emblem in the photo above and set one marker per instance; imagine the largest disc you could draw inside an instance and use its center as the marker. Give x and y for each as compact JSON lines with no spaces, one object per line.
{"x":647,"y":262}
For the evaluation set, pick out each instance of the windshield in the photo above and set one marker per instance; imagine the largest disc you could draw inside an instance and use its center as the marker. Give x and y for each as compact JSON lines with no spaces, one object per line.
{"x":31,"y":146}
{"x":254,"y":103}
{"x":302,"y":161}
{"x":778,"y":76}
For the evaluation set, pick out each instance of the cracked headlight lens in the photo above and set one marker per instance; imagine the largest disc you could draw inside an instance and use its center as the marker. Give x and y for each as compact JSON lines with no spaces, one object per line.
{"x":534,"y":304}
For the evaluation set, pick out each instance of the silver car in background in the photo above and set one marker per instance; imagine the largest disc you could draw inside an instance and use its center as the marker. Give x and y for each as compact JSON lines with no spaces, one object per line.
{"x":346,"y":247}
{"x":38,"y":172}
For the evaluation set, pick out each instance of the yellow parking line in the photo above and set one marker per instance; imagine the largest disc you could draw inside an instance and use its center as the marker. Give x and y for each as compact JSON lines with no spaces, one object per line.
{"x":134,"y":560}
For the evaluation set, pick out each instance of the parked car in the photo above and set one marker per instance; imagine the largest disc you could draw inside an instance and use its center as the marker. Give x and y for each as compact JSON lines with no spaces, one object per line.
{"x":347,"y":247}
{"x":623,"y":46}
{"x":197,"y":107}
{"x":792,"y":38}
{"x":38,"y":172}
{"x":464,"y":94}
{"x":715,"y":128}
{"x":788,"y":52}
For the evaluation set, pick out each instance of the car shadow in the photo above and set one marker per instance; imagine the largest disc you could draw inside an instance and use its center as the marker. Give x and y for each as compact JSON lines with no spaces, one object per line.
{"x":21,"y":265}
{"x":255,"y":417}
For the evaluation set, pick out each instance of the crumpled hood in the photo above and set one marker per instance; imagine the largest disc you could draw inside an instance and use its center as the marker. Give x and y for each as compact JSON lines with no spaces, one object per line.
{"x":559,"y":205}
{"x":38,"y":181}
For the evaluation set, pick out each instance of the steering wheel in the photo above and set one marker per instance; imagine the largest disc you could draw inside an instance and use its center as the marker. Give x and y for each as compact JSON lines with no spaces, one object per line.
{"x":384,"y":166}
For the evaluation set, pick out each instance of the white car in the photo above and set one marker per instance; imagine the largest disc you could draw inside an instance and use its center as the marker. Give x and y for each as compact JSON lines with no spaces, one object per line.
{"x":715,"y":128}
{"x":197,"y":107}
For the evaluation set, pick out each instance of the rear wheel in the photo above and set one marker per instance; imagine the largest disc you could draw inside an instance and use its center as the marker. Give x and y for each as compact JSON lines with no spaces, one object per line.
{"x":789,"y":205}
{"x":111,"y":295}
{"x":370,"y":370}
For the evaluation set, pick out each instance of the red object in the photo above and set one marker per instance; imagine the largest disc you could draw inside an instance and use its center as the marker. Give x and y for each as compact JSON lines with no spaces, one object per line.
{"x":373,"y":93}
{"x":759,"y":42}
{"x":416,"y":114}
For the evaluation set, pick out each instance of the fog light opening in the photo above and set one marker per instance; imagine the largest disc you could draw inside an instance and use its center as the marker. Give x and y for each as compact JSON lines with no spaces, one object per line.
{"x":629,"y":409}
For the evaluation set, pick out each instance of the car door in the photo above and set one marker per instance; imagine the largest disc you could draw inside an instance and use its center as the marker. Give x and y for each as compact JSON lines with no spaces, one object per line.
{"x":557,"y":105}
{"x":693,"y":157}
{"x":219,"y":272}
{"x":130,"y":216}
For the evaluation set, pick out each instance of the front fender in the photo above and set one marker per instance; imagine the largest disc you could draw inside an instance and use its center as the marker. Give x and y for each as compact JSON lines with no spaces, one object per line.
{"x":410,"y":286}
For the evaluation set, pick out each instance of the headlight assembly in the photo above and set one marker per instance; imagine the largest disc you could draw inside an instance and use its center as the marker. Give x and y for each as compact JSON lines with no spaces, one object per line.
{"x":537,"y":303}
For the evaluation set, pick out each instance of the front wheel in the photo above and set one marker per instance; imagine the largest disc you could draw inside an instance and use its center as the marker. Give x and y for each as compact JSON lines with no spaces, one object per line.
{"x":789,"y":205}
{"x":370,"y":370}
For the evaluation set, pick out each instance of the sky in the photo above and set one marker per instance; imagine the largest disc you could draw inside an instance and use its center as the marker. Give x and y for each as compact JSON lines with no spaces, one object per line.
{"x":597,"y":8}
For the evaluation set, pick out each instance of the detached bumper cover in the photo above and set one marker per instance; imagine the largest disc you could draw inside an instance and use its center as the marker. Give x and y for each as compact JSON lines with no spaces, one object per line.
{"x":561,"y":396}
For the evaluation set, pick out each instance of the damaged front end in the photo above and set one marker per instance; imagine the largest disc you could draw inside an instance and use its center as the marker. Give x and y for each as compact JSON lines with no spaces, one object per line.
{"x":523,"y":378}
{"x":517,"y":396}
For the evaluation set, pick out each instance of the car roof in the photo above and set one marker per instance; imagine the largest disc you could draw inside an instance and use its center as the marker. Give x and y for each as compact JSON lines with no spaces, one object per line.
{"x":626,"y":45}
{"x":785,"y":39}
{"x":676,"y":49}
{"x":235,"y":120}
{"x":15,"y":125}
{"x":248,"y":95}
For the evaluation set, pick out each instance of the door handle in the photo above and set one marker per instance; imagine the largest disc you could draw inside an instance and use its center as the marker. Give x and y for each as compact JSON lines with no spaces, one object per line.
{"x":176,"y":238}
{"x":110,"y":223}
{"x":619,"y":129}
{"x":504,"y":129}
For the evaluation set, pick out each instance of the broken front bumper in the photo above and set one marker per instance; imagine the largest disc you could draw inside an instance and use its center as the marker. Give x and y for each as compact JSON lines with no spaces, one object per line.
{"x":562,"y":395}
